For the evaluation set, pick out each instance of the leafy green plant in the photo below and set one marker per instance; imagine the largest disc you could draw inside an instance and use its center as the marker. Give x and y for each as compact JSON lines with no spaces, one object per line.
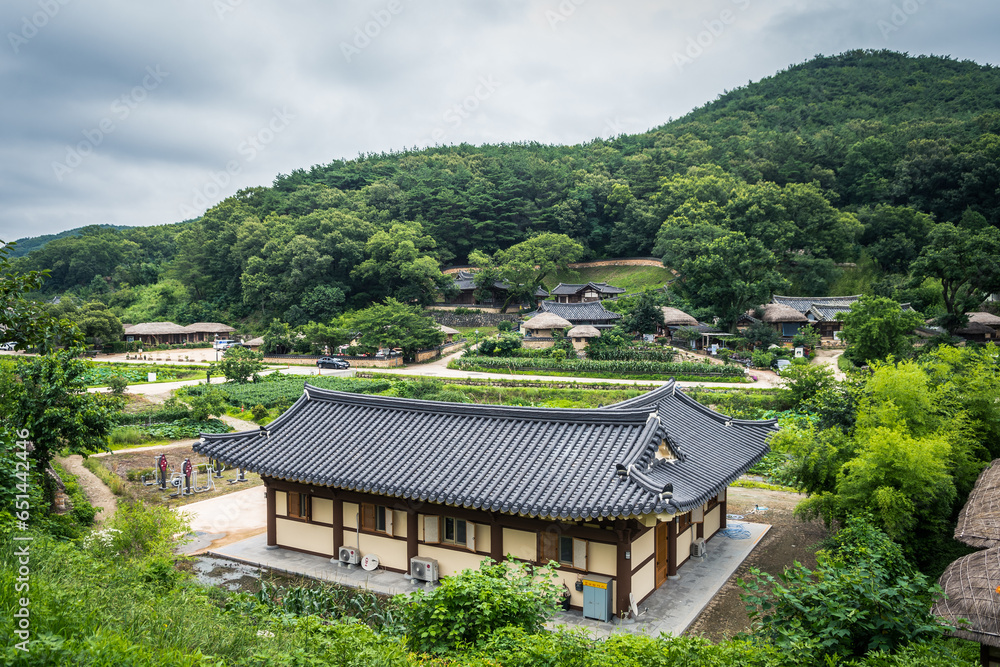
{"x":127,"y":435}
{"x":259,"y":412}
{"x":111,"y":480}
{"x":469,"y":607}
{"x":138,"y":530}
{"x":862,"y":597}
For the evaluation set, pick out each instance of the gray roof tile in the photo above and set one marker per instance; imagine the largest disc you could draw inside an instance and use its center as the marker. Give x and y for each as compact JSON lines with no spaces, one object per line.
{"x":592,"y":312}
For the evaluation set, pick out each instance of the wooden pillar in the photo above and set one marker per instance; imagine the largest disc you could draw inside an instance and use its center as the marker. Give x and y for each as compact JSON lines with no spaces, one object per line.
{"x":411,"y":535}
{"x":700,"y":531}
{"x":338,"y":526}
{"x":272,"y":524}
{"x":722,"y":515}
{"x":623,"y":571}
{"x":496,"y":541}
{"x":672,"y":541}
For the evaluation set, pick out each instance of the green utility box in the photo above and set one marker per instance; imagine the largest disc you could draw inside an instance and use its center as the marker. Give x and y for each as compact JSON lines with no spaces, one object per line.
{"x":598,"y":597}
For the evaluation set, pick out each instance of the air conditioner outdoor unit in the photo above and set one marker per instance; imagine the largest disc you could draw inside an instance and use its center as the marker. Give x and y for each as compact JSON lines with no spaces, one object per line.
{"x":698,"y":548}
{"x":349,"y":555}
{"x":424,"y":569}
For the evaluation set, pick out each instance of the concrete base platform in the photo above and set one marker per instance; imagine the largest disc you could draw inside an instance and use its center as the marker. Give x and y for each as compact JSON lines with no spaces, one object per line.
{"x":671,"y":609}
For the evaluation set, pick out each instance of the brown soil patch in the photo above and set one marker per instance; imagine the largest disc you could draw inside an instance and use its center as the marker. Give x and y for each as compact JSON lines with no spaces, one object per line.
{"x":121,"y":462}
{"x":789,"y":540}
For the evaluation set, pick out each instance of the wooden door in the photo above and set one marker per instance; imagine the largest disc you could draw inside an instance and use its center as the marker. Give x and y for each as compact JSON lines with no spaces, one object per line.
{"x":662,"y":551}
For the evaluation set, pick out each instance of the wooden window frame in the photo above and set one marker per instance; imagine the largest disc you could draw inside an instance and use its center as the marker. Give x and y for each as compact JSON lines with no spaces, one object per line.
{"x":683,"y":522}
{"x":436,"y":529}
{"x":376,"y":519}
{"x":551,"y":548}
{"x":299,"y":506}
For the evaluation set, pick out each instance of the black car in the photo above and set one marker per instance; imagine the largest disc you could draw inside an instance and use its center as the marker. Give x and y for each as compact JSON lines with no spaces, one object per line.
{"x":332,"y":362}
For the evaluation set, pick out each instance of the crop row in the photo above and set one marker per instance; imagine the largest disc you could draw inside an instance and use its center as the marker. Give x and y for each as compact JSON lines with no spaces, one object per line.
{"x":633,"y":354}
{"x":621,"y":367}
{"x":283,"y":392}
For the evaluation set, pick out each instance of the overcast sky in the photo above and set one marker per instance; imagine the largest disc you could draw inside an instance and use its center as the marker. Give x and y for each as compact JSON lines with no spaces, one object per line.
{"x":139,"y":113}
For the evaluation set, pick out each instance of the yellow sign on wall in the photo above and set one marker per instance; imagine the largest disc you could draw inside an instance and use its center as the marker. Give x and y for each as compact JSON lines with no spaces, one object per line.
{"x":595,"y":584}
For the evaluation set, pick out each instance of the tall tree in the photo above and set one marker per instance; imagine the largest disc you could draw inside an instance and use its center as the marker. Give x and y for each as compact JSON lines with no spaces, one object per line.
{"x":392,"y":324}
{"x":968,"y":265}
{"x":526,"y":265}
{"x":876,"y":327}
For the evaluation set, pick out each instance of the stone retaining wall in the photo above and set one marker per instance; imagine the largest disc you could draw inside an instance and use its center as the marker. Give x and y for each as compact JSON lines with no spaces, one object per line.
{"x":450,"y":319}
{"x":619,"y":261}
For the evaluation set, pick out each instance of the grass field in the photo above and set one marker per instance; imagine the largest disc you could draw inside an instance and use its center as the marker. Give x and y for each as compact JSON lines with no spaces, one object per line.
{"x":630,"y":278}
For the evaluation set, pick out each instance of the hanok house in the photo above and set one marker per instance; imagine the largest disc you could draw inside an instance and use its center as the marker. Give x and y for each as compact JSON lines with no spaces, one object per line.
{"x":156,"y":333}
{"x":820,"y":311}
{"x":583,"y":293}
{"x":495,"y":296}
{"x":201,"y":332}
{"x":627,"y":491}
{"x":982,"y":328}
{"x":972,"y":583}
{"x":592,"y":313}
{"x":784,"y":319}
{"x":674,"y":319}
{"x":544,"y":325}
{"x":582,"y":335}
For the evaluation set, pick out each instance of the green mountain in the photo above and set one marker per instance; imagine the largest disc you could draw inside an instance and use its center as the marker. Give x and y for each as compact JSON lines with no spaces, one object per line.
{"x":835,"y":159}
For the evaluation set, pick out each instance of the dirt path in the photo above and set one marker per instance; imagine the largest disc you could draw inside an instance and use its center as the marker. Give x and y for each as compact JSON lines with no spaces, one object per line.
{"x":98,"y":494}
{"x":788,"y":540}
{"x":830,"y":358}
{"x":240,"y":424}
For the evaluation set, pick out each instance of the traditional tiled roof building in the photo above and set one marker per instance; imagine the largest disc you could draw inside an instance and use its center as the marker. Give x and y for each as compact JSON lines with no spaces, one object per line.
{"x":622,"y":491}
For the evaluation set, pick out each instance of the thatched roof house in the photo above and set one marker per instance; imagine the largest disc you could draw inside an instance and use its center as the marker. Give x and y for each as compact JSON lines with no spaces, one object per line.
{"x":989,"y":319}
{"x":775,"y":313}
{"x":675,"y":317}
{"x":543,"y":324}
{"x":208,"y":331}
{"x":584,"y":331}
{"x":979,"y":521}
{"x":155,"y":333}
{"x":972,"y":583}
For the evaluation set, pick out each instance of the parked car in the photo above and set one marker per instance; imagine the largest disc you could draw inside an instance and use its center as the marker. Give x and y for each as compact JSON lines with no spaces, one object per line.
{"x":332,"y":362}
{"x":226,"y":349}
{"x":7,"y":347}
{"x":781,"y":365}
{"x":224,"y":344}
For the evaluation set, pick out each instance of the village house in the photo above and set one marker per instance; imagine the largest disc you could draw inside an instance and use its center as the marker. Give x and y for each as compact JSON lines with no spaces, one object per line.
{"x":982,"y":328}
{"x":820,"y":311}
{"x":674,"y":319}
{"x":583,"y":293}
{"x":784,"y":319}
{"x":581,"y":336}
{"x":592,"y":313}
{"x":160,"y":333}
{"x":494,"y":298}
{"x":627,"y":493}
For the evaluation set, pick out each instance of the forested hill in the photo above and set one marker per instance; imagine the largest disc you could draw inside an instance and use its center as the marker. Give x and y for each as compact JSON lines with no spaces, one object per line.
{"x":836,"y":159}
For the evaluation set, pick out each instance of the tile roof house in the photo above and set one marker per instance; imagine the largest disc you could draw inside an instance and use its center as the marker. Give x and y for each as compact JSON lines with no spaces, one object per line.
{"x":464,"y":283}
{"x":820,"y":311}
{"x":593,"y":313}
{"x":622,"y":491}
{"x":584,"y":292}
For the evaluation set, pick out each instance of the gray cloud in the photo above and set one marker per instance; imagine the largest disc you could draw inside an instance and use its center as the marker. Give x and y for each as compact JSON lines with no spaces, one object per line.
{"x":374,"y":75}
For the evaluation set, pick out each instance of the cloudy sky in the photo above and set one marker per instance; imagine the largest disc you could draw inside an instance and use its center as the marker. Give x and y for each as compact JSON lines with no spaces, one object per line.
{"x":139,"y":113}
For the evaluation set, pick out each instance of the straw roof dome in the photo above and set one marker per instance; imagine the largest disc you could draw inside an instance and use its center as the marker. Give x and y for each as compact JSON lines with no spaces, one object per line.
{"x":547,"y":321}
{"x":677,"y":318}
{"x":979,"y":521}
{"x":584,"y":331}
{"x":970,"y":584}
{"x":210,"y":327}
{"x":989,"y":319}
{"x":778,"y":312}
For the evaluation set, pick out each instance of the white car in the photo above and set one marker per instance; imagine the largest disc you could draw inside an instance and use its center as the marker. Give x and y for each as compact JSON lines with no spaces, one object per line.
{"x":781,"y":365}
{"x":224,"y":344}
{"x":7,"y":347}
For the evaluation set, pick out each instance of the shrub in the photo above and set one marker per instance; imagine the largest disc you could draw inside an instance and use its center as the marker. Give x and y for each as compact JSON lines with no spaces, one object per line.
{"x":117,"y":384}
{"x":138,"y":474}
{"x":862,"y":597}
{"x":762,"y":359}
{"x":138,"y":530}
{"x":111,"y":480}
{"x":559,"y":355}
{"x":469,"y":607}
{"x":259,"y":412}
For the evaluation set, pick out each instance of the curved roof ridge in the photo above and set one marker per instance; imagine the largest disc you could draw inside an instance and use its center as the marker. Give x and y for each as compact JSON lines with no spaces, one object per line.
{"x":714,"y":414}
{"x":643,"y":399}
{"x":585,"y":415}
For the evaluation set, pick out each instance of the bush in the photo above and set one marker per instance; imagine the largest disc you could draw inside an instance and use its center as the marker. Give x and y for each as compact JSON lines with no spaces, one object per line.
{"x":111,"y":480}
{"x":138,"y":530}
{"x":469,"y":607}
{"x":117,"y":384}
{"x":762,"y":359}
{"x":862,"y":597}
{"x":259,"y":412}
{"x":137,"y":475}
